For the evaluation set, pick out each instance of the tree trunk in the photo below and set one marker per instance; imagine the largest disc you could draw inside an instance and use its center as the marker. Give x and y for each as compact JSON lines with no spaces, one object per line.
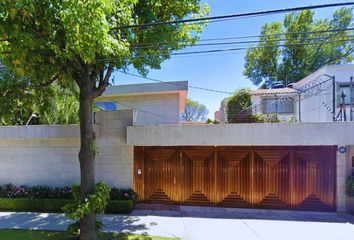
{"x":87,"y":156}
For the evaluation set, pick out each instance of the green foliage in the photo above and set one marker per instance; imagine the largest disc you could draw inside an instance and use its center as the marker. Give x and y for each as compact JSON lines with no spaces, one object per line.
{"x":293,"y":119}
{"x":47,"y":38}
{"x":210,"y":121}
{"x":286,"y":55}
{"x":34,"y":205}
{"x":96,"y":202}
{"x":350,"y":186}
{"x":56,"y":205}
{"x":194,"y":111}
{"x":121,"y":206}
{"x":238,"y":102}
{"x":55,"y":105}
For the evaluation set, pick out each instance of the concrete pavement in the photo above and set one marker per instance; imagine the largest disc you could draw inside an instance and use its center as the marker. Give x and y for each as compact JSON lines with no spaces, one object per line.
{"x":204,"y":223}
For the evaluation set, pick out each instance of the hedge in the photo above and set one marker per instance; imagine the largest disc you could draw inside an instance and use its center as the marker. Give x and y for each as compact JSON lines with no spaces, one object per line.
{"x":55,"y":205}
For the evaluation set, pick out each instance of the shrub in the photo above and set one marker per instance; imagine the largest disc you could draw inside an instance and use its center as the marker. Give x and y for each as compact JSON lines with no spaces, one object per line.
{"x":120,"y":206}
{"x":350,"y":186}
{"x":123,"y":194}
{"x":35,"y":205}
{"x":45,"y":192}
{"x":56,"y":205}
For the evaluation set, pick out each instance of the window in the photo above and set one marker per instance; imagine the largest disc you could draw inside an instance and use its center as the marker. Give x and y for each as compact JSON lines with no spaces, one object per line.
{"x":345,"y":88}
{"x":278,"y":105}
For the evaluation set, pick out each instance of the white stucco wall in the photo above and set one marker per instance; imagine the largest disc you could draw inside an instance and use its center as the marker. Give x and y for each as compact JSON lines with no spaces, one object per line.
{"x":313,"y":108}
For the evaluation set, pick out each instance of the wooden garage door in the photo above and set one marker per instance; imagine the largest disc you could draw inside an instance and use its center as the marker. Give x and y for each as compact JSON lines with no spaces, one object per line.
{"x":256,"y":177}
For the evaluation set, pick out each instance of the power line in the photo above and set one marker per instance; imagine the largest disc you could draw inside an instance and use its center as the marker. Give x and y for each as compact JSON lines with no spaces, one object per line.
{"x":235,"y":49}
{"x":173,"y":83}
{"x":237,"y":15}
{"x":257,"y":47}
{"x":240,"y":42}
{"x":245,"y":37}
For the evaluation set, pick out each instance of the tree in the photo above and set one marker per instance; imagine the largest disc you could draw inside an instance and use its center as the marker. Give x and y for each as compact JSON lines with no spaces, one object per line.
{"x":290,"y":51}
{"x":238,"y":102}
{"x":83,"y":42}
{"x":18,"y":101}
{"x":194,"y":111}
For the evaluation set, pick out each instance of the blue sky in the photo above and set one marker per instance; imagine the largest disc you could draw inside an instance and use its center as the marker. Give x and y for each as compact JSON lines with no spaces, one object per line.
{"x":221,"y":71}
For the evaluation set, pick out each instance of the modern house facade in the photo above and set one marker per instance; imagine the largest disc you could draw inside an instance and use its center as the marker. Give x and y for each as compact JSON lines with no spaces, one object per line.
{"x":279,"y":166}
{"x":326,"y":95}
{"x":154,"y":103}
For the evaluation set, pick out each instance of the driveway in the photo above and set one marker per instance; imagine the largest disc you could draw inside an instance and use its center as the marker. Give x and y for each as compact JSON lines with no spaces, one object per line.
{"x":194,"y":223}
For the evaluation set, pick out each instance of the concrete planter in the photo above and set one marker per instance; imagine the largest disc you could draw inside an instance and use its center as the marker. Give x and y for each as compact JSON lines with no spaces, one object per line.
{"x":350,"y":205}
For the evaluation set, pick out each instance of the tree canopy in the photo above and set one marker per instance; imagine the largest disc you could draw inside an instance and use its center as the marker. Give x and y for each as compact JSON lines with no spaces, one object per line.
{"x":237,"y":102}
{"x":300,"y":45}
{"x":194,"y":111}
{"x":18,"y":101}
{"x":82,"y":42}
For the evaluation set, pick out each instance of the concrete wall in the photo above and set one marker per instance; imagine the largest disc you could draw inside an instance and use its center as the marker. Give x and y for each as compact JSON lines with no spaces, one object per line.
{"x":266,"y":134}
{"x":48,"y":155}
{"x":151,"y":109}
{"x":283,"y":134}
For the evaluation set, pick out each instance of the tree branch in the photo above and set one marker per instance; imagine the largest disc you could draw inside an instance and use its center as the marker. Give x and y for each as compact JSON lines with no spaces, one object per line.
{"x":340,"y":57}
{"x":103,"y":82}
{"x":48,"y":83}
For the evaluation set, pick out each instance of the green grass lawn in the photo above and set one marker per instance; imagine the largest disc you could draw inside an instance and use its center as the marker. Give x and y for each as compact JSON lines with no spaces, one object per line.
{"x":49,"y":235}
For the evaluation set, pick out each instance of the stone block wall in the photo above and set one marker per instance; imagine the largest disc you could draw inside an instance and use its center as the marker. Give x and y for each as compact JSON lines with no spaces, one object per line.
{"x":48,"y":155}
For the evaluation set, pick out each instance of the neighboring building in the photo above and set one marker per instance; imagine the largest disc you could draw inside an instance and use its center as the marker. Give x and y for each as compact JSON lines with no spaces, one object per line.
{"x":221,"y":114}
{"x":154,"y":103}
{"x":312,"y":99}
{"x":280,"y":101}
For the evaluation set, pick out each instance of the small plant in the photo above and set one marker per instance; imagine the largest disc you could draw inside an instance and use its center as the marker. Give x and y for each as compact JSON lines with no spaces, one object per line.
{"x":350,"y":186}
{"x":96,"y":203}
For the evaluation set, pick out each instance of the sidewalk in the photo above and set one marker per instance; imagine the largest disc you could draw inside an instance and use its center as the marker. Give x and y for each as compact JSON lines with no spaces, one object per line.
{"x":205,"y":223}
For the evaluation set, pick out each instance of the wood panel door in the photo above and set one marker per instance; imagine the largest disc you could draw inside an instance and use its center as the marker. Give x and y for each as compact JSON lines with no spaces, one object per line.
{"x":313,"y":180}
{"x":162,"y":168}
{"x":198,"y":175}
{"x":258,"y":177}
{"x":271,"y":178}
{"x":233,"y":177}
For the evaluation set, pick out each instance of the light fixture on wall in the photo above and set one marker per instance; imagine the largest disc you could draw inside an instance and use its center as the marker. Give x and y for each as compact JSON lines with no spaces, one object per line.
{"x":33,"y":115}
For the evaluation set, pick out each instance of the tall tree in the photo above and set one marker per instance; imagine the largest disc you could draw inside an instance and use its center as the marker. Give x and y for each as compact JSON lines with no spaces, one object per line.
{"x":194,"y":111}
{"x":83,"y":42}
{"x":290,"y":51}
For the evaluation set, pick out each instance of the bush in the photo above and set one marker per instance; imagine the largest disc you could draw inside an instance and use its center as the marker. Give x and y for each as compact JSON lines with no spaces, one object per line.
{"x":120,"y":206}
{"x":35,"y":205}
{"x":350,"y":186}
{"x":56,"y":205}
{"x":45,"y":192}
{"x":123,"y":194}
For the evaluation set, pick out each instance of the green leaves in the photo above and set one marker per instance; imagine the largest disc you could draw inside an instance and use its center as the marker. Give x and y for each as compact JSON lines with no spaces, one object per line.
{"x":290,"y":52}
{"x":96,"y":202}
{"x":238,"y":102}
